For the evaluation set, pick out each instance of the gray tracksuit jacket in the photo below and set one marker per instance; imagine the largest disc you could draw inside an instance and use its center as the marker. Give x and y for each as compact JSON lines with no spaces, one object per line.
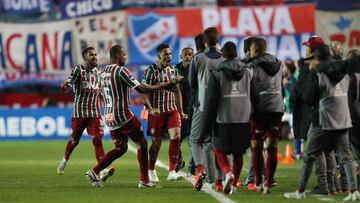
{"x":267,"y":85}
{"x":201,"y":66}
{"x":334,"y":113}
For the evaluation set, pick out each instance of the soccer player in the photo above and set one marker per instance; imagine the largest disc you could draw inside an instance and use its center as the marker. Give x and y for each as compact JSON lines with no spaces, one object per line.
{"x":182,"y":68}
{"x":268,"y":109}
{"x":164,"y":114}
{"x":227,"y":113}
{"x":117,"y":83}
{"x":85,"y":79}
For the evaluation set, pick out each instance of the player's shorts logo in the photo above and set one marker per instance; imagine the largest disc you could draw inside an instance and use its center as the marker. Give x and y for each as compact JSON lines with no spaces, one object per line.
{"x":149,"y":30}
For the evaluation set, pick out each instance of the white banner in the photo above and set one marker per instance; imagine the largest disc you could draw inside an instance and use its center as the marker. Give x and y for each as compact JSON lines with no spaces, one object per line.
{"x":55,"y":47}
{"x":339,"y":26}
{"x":101,"y":32}
{"x":36,"y":48}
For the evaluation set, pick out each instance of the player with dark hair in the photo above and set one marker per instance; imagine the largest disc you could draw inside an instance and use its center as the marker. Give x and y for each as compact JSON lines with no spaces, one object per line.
{"x":268,"y":109}
{"x":227,"y":113}
{"x":85,"y":79}
{"x":117,"y":83}
{"x":165,"y":112}
{"x":199,"y":42}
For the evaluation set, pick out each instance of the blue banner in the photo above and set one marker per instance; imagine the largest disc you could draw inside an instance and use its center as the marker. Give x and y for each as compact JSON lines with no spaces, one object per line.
{"x":43,"y":124}
{"x":148,"y":3}
{"x":339,"y":6}
{"x":74,"y":8}
{"x":26,"y":7}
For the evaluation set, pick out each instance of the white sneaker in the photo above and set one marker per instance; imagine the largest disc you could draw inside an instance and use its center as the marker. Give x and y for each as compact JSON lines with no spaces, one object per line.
{"x":173,"y":176}
{"x":147,"y":185}
{"x":106,"y":173}
{"x":352,"y":196}
{"x":153,"y":176}
{"x":294,"y":195}
{"x":93,"y":177}
{"x":61,"y":167}
{"x":266,"y":189}
{"x":227,"y":184}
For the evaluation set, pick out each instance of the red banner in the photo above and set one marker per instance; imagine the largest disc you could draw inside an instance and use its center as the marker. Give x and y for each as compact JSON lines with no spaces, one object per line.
{"x":243,"y":21}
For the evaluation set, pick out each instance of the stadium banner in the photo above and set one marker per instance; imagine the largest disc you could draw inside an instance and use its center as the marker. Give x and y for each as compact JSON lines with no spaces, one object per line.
{"x":101,"y":32}
{"x":339,"y":26}
{"x":43,"y":124}
{"x":148,"y":3}
{"x":26,"y":7}
{"x":335,"y":5}
{"x":283,"y":26}
{"x":77,"y":8}
{"x":37,"y":48}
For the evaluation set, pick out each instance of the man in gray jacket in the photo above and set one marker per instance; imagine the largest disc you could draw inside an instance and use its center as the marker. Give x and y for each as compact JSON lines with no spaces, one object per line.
{"x":327,"y":93}
{"x":227,"y":113}
{"x":201,"y":146}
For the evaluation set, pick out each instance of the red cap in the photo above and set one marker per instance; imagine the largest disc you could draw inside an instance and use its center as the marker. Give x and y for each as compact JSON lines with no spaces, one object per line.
{"x":314,"y":41}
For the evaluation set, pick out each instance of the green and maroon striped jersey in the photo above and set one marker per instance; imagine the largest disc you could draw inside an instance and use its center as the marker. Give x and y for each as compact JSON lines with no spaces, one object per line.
{"x":86,"y":84}
{"x":164,"y":100}
{"x":117,"y":82}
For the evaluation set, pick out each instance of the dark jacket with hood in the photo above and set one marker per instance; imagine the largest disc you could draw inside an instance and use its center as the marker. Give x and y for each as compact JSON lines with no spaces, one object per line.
{"x":267,"y":84}
{"x":227,"y":106}
{"x":301,"y":111}
{"x":327,"y":93}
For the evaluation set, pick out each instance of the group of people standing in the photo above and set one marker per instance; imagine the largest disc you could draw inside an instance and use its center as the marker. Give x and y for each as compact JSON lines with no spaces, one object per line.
{"x":224,"y":104}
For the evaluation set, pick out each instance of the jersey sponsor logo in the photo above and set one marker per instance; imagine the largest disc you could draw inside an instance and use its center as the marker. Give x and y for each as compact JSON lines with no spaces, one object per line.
{"x":92,"y":84}
{"x":149,"y":30}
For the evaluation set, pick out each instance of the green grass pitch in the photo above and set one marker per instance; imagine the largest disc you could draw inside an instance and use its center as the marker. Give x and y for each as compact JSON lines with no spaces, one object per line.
{"x":28,"y":174}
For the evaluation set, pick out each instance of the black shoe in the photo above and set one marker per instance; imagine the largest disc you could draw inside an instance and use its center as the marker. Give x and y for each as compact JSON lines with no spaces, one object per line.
{"x":319,"y":191}
{"x":192,"y":169}
{"x":180,"y":165}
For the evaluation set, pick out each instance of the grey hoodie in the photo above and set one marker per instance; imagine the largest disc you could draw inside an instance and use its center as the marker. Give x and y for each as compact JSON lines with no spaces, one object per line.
{"x":228,"y":95}
{"x":267,"y":85}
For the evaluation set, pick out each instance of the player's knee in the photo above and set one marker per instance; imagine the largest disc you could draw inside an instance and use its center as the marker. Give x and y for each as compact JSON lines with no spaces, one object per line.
{"x":143,"y":143}
{"x":96,"y":141}
{"x":74,"y":141}
{"x":122,"y":148}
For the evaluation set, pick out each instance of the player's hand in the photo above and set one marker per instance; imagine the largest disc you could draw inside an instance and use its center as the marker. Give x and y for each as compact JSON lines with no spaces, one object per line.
{"x":155,"y":112}
{"x":64,"y":86}
{"x":176,"y":79}
{"x":183,"y":115}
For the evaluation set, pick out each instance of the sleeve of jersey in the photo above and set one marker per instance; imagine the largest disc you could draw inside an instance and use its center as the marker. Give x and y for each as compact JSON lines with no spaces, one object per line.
{"x":148,"y":77}
{"x":73,"y":76}
{"x":128,"y":78}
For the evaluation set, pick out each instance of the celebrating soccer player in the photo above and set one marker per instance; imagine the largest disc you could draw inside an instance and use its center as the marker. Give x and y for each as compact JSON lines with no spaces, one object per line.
{"x":164,"y":114}
{"x":117,"y":83}
{"x":85,"y":79}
